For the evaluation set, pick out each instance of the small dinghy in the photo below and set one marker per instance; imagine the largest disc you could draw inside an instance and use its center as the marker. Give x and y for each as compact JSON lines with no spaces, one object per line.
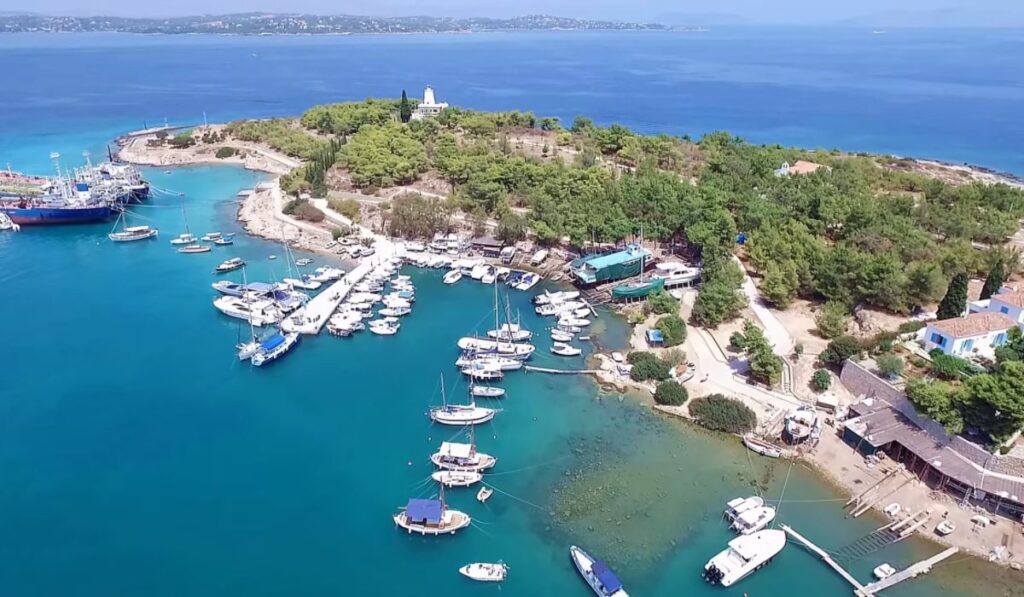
{"x":485,"y":572}
{"x":457,"y":478}
{"x":303,"y":262}
{"x":487,"y":391}
{"x":229,"y":266}
{"x":194,"y":248}
{"x":564,"y":350}
{"x":484,"y":494}
{"x":452,"y":276}
{"x":883,"y":571}
{"x":760,"y":446}
{"x":223,"y":242}
{"x":211,"y":236}
{"x":560,"y":336}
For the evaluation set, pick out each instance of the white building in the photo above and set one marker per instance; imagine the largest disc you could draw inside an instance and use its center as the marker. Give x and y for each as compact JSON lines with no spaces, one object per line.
{"x":976,"y":334}
{"x":429,"y":107}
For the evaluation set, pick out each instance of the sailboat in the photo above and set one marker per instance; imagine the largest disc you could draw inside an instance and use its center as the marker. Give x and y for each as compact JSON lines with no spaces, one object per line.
{"x":641,"y":289}
{"x":130,"y":233}
{"x":431,"y":517}
{"x":459,"y":414}
{"x":191,"y":246}
{"x":274,"y":347}
{"x":462,"y":457}
{"x":246,"y":350}
{"x":456,"y":478}
{"x":498,"y":346}
{"x":303,"y":281}
{"x":484,"y":391}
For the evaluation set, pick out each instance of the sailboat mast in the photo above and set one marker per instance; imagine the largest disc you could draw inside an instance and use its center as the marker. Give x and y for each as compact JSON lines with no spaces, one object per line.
{"x":444,"y":398}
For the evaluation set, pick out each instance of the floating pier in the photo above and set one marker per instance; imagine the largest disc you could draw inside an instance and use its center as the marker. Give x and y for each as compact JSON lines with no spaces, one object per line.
{"x":858,"y":588}
{"x":560,"y":371}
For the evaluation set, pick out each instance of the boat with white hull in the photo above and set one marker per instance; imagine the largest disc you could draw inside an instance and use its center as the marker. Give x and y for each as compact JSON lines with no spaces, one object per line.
{"x":462,"y":457}
{"x":452,"y":277}
{"x":275,"y":347}
{"x":431,"y":517}
{"x":459,"y":414}
{"x":564,"y":350}
{"x":487,"y":361}
{"x":556,"y":297}
{"x":484,"y":572}
{"x":510,"y":332}
{"x":513,"y":350}
{"x":761,"y":447}
{"x":744,"y":555}
{"x":748,"y":515}
{"x":598,"y":575}
{"x":456,"y":478}
{"x":304,"y":282}
{"x":258,"y":313}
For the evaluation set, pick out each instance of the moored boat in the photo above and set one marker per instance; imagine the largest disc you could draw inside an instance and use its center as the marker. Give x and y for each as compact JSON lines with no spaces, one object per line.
{"x":452,"y":277}
{"x":598,"y":575}
{"x":510,"y":332}
{"x":431,"y":517}
{"x":259,"y":313}
{"x":462,"y":457}
{"x":565,"y":350}
{"x":275,"y":347}
{"x":486,"y":391}
{"x":484,"y":572}
{"x":133,"y":233}
{"x":183,"y":239}
{"x":744,"y":555}
{"x":514,"y":350}
{"x":194,"y":248}
{"x":748,"y":515}
{"x":484,"y":494}
{"x":761,"y":447}
{"x":229,"y":266}
{"x":456,"y":478}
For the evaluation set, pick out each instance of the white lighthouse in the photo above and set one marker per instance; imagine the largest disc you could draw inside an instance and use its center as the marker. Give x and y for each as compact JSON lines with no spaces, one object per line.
{"x":429,"y":107}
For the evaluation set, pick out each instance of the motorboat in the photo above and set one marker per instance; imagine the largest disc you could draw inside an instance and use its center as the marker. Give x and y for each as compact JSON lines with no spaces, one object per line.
{"x":550,"y":309}
{"x":761,"y":447}
{"x":486,"y":391}
{"x":393,"y":301}
{"x":133,"y":233}
{"x":485,"y":572}
{"x":799,"y":424}
{"x":368,"y":287}
{"x":575,"y":322}
{"x":511,"y":350}
{"x":229,"y":266}
{"x":883,"y":571}
{"x":327,"y":274}
{"x":452,"y":277}
{"x":304,"y":282}
{"x":560,"y":336}
{"x":224,"y":241}
{"x":556,"y":297}
{"x":258,"y":313}
{"x":539,"y":256}
{"x":749,"y":515}
{"x":462,"y":457}
{"x":7,"y":224}
{"x":482,"y":373}
{"x":209,"y":237}
{"x":345,"y":324}
{"x":275,"y":347}
{"x":490,"y":361}
{"x":184,"y":239}
{"x":892,"y":510}
{"x":568,"y":329}
{"x":484,"y":494}
{"x":456,"y":478}
{"x":246,"y":350}
{"x":944,"y":528}
{"x":387,"y":326}
{"x":431,"y":517}
{"x":510,"y":332}
{"x":479,"y":271}
{"x":461,"y":414}
{"x":194,"y":248}
{"x":395,"y":311}
{"x":598,"y":575}
{"x":490,"y":277}
{"x":744,"y":555}
{"x":565,"y":350}
{"x":303,"y":262}
{"x":527,"y":281}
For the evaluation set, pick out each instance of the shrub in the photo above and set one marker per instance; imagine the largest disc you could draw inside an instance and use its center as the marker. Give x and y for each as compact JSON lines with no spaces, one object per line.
{"x":303,"y":210}
{"x":673,"y":329}
{"x":890,"y":366}
{"x":885,"y":345}
{"x":661,"y":302}
{"x":647,"y":366}
{"x":670,"y":393}
{"x":908,"y":327}
{"x":719,"y":413}
{"x":674,"y":356}
{"x":840,"y":349}
{"x":948,"y":366}
{"x":181,"y":140}
{"x":798,"y":349}
{"x":225,"y":152}
{"x":738,"y":341}
{"x":338,"y":232}
{"x":832,"y":319}
{"x":821,"y":380}
{"x":346,"y":207}
{"x":919,"y":362}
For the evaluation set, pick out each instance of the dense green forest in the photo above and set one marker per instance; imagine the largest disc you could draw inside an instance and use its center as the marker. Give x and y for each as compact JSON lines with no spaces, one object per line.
{"x":858,"y":230}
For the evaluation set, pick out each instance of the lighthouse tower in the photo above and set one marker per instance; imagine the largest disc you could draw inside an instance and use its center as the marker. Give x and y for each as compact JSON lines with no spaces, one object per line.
{"x":430,"y":106}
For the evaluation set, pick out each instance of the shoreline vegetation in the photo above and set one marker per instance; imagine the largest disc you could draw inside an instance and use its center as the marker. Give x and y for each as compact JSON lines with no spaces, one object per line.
{"x":828,"y":235}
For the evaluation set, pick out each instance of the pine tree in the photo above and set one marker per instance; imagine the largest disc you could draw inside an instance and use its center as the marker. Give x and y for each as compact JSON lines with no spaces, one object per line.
{"x":404,"y":108}
{"x":995,"y":279}
{"x":955,"y":301}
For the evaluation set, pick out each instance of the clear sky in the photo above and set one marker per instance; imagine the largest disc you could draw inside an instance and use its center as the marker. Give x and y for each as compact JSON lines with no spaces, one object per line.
{"x":879,"y":12}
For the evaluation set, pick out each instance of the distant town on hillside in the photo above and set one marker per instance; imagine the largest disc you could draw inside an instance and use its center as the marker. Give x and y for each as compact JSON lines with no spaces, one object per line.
{"x":301,"y":24}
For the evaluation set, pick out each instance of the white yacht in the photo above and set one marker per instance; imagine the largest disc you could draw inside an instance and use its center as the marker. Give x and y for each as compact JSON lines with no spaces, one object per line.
{"x":345,"y":324}
{"x":462,"y":457}
{"x":482,"y":372}
{"x":327,"y":274}
{"x":461,"y":414}
{"x":744,"y":555}
{"x":387,"y":326}
{"x":598,"y":575}
{"x":274,"y":347}
{"x":485,"y":572}
{"x":565,"y":350}
{"x":510,"y":332}
{"x":559,"y":336}
{"x":676,"y":273}
{"x":488,"y":361}
{"x":456,"y":478}
{"x":258,"y":313}
{"x":452,"y":276}
{"x":573,"y":322}
{"x":486,"y":391}
{"x":748,"y":515}
{"x":395,"y":311}
{"x":511,"y":350}
{"x":527,"y":281}
{"x":184,"y":239}
{"x":556,"y":297}
{"x":304,"y":282}
{"x":549,"y":309}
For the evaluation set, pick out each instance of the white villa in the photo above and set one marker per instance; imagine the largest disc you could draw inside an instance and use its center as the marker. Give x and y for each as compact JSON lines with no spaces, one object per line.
{"x":984,"y":328}
{"x":429,"y":107}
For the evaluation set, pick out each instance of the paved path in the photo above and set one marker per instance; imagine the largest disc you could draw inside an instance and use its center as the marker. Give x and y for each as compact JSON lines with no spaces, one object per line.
{"x":777,"y":334}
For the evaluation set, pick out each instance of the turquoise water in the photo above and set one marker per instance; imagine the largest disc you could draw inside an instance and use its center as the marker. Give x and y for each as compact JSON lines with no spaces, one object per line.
{"x":139,"y":458}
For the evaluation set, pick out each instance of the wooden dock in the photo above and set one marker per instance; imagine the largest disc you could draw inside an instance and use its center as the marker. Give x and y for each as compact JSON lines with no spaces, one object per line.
{"x":922,"y":567}
{"x":560,"y":371}
{"x":858,"y":588}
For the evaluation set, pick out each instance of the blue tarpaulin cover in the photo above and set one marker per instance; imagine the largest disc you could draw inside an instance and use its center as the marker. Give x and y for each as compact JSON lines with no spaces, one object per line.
{"x":604,"y":574}
{"x":426,"y":510}
{"x":272,"y":342}
{"x":655,"y":336}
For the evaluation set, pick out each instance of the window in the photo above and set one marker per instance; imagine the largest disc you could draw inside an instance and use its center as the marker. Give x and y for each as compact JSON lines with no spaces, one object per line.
{"x":938,"y":339}
{"x":967,"y":345}
{"x":1004,"y":309}
{"x":1000,"y":339}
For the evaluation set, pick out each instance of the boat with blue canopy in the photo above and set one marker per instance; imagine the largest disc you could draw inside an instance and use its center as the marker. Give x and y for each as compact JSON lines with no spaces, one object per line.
{"x":431,"y":517}
{"x":274,"y":348}
{"x":597,"y":574}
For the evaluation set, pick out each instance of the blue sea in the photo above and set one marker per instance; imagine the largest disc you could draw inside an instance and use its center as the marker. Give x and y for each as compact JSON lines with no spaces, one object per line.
{"x":138,"y":457}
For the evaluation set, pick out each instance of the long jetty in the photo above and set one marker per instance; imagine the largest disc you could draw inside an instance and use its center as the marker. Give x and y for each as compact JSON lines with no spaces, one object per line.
{"x":858,"y":588}
{"x":312,"y":317}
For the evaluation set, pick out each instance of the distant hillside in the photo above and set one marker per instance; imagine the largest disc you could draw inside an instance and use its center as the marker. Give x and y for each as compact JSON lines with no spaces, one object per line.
{"x":301,"y":24}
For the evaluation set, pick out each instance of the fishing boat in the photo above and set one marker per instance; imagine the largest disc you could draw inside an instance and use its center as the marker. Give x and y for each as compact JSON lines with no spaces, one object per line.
{"x":459,"y":414}
{"x":744,"y":555}
{"x":484,"y":494}
{"x":387,"y":326}
{"x":258,"y":313}
{"x":510,"y":332}
{"x":485,"y":572}
{"x":564,"y":350}
{"x":748,"y":515}
{"x":761,"y":447}
{"x":479,"y":271}
{"x":598,"y":575}
{"x":452,"y":277}
{"x":275,"y":347}
{"x":431,"y":517}
{"x":209,"y":237}
{"x":799,"y":424}
{"x":229,"y":266}
{"x":462,"y":457}
{"x":456,"y":478}
{"x":224,"y":241}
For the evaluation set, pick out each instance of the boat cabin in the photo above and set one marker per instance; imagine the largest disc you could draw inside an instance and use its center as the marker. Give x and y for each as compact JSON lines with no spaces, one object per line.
{"x":428,"y":513}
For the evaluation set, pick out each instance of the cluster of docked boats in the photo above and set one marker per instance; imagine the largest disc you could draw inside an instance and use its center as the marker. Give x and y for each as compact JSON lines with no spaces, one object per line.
{"x":571,"y":313}
{"x":755,"y":546}
{"x":444,"y":253}
{"x":383,"y":297}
